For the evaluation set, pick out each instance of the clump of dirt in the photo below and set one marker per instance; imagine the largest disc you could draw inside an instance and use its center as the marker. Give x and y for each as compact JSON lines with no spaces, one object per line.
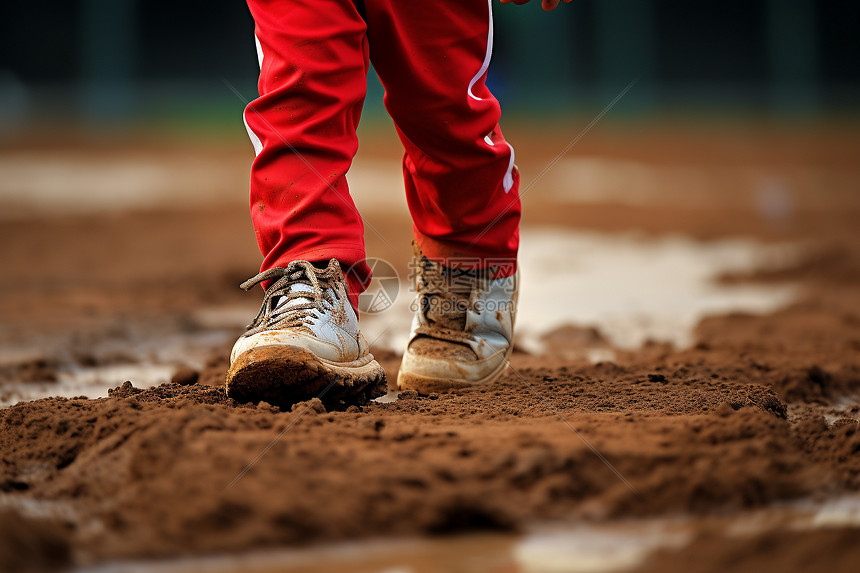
{"x":185,"y":375}
{"x":570,"y":342}
{"x":172,"y":393}
{"x":814,"y":384}
{"x":215,"y":370}
{"x":33,"y":370}
{"x":809,"y":361}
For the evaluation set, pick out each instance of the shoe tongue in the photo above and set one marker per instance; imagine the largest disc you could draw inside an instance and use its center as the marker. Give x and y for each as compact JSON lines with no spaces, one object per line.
{"x":448,"y":297}
{"x":284,"y":302}
{"x":448,"y":310}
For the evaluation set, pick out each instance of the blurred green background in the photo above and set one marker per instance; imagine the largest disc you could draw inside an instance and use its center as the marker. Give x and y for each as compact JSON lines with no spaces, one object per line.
{"x":94,"y":62}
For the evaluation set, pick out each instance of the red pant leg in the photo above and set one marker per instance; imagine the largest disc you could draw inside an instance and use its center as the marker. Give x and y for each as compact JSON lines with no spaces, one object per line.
{"x":313,"y":69}
{"x":461,"y":182}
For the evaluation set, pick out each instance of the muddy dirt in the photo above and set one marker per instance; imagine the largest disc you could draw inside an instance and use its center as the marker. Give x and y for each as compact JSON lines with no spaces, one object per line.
{"x":28,"y":544}
{"x":761,"y":410}
{"x":832,"y":550}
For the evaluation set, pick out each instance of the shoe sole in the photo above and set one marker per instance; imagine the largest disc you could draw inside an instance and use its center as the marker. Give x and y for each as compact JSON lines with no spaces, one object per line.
{"x":284,"y":375}
{"x":425,"y":385}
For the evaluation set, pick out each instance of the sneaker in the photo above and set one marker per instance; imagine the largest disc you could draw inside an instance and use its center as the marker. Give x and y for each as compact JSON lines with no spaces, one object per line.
{"x":304,"y":341}
{"x":462,"y":331}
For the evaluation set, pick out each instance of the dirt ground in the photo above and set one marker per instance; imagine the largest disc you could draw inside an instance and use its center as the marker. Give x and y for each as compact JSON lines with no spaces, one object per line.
{"x":762,"y":410}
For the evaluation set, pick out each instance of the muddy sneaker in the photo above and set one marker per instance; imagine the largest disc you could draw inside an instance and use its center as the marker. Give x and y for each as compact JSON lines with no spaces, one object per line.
{"x":304,"y":339}
{"x":462,"y":330}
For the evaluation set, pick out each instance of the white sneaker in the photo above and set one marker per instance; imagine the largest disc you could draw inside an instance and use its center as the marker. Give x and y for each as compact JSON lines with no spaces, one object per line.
{"x":304,"y":339}
{"x":462,"y":331}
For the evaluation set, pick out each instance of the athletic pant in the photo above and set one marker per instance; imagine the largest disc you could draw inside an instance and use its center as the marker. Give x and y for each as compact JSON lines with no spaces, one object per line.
{"x":432,"y":58}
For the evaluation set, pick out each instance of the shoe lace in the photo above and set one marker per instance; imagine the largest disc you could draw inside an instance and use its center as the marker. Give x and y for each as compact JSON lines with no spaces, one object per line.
{"x":277,"y":310}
